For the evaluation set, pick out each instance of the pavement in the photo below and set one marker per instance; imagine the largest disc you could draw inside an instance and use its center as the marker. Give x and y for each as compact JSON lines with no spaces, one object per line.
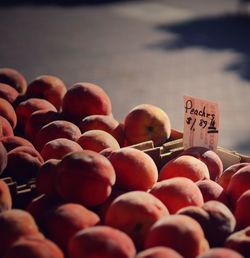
{"x":139,"y":52}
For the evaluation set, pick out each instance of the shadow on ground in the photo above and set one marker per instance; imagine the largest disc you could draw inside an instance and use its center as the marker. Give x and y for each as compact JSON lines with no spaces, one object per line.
{"x":226,"y":32}
{"x":9,"y":3}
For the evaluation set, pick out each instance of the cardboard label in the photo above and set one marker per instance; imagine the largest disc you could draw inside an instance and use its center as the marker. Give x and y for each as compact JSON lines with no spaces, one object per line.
{"x":201,"y":123}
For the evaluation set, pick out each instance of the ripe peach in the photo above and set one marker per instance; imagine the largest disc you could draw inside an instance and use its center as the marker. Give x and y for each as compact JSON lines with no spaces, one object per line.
{"x":239,"y":183}
{"x":47,"y":87}
{"x":135,"y":170}
{"x":5,"y":197}
{"x":158,"y":252}
{"x":134,"y":213}
{"x":7,"y":129}
{"x":216,"y":220}
{"x":185,"y":166}
{"x":23,"y":164}
{"x":58,"y":148}
{"x":13,"y":78}
{"x":227,"y":174}
{"x":101,"y":241}
{"x":220,"y":252}
{"x":54,"y":130}
{"x":32,"y":247}
{"x":13,"y":141}
{"x":8,"y":112}
{"x":25,"y":108}
{"x":212,"y":191}
{"x":147,"y":122}
{"x":81,"y":172}
{"x":177,"y":193}
{"x":63,"y":222}
{"x":97,"y":140}
{"x":8,"y":93}
{"x":239,"y":241}
{"x":106,"y":123}
{"x":179,"y":232}
{"x":3,"y":158}
{"x":84,"y":99}
{"x":15,"y":224}
{"x":46,"y":177}
{"x":241,"y":214}
{"x":37,"y":120}
{"x":210,"y":158}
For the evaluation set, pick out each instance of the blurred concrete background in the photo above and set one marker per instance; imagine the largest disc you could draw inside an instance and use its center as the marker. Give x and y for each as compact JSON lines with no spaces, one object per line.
{"x":139,"y":52}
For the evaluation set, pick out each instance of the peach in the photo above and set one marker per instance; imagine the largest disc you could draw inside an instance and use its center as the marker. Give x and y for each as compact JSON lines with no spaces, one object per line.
{"x":177,"y":193}
{"x":13,"y":78}
{"x":5,"y":197}
{"x":239,"y":241}
{"x":81,"y":172}
{"x":25,"y":108}
{"x":216,"y":220}
{"x":184,"y":166}
{"x":158,"y":252}
{"x":241,"y":214}
{"x":7,"y":129}
{"x":58,"y":148}
{"x":8,"y":112}
{"x":15,"y":224}
{"x":47,"y":87}
{"x":97,"y":140}
{"x":46,"y":177}
{"x":64,"y":221}
{"x":23,"y":164}
{"x":135,"y":170}
{"x":220,"y":252}
{"x":54,"y":130}
{"x":13,"y":141}
{"x":3,"y":158}
{"x":134,"y":213}
{"x":8,"y":93}
{"x":179,"y":232}
{"x":147,"y":122}
{"x":84,"y":99}
{"x":32,"y":247}
{"x":101,"y":241}
{"x":210,"y":158}
{"x":227,"y":174}
{"x":212,"y":191}
{"x":37,"y":120}
{"x":239,"y":183}
{"x":106,"y":123}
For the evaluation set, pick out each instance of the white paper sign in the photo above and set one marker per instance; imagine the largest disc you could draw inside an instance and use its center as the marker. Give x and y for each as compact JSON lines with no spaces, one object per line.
{"x":201,"y":123}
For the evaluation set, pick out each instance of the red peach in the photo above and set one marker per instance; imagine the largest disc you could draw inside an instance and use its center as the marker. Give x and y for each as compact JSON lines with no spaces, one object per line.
{"x":158,"y":252}
{"x":81,"y":172}
{"x":220,"y":252}
{"x":177,"y":193}
{"x":134,"y":213}
{"x":147,"y":122}
{"x":106,"y":123}
{"x":7,"y":129}
{"x":3,"y":158}
{"x":185,"y":166}
{"x":47,"y":87}
{"x":64,"y":221}
{"x":13,"y":78}
{"x":8,"y":112}
{"x":5,"y":197}
{"x":179,"y":232}
{"x":210,"y":158}
{"x":97,"y":140}
{"x":135,"y":170}
{"x":58,"y":148}
{"x":101,"y":241}
{"x":54,"y":130}
{"x":8,"y":93}
{"x":11,"y":142}
{"x":84,"y":99}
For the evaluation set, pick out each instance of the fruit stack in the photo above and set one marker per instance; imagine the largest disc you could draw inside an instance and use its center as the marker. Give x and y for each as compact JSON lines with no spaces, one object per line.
{"x":77,"y":183}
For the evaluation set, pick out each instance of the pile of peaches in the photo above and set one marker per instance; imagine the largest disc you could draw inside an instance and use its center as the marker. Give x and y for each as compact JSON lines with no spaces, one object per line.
{"x":96,"y":195}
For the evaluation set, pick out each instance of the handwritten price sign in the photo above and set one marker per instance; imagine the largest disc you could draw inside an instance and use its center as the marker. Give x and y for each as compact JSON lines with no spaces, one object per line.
{"x":201,"y":123}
